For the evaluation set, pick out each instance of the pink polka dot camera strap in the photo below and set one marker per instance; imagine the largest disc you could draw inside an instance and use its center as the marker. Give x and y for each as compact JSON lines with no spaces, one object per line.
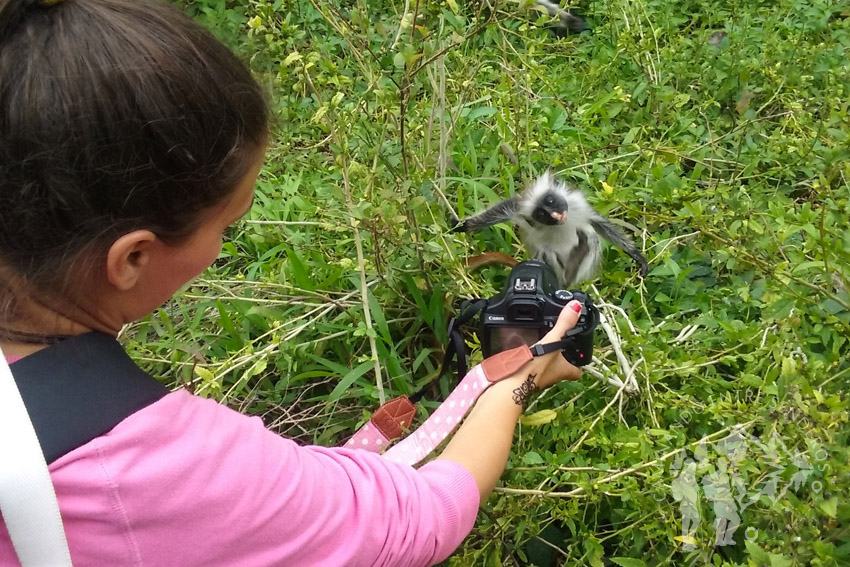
{"x":395,"y":417}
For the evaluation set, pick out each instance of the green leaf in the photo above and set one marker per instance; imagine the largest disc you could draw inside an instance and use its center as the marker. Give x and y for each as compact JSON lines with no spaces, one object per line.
{"x":532,"y":458}
{"x":398,"y":61}
{"x":777,"y":560}
{"x":829,"y":506}
{"x":291,"y":58}
{"x":204,"y":374}
{"x":628,"y":562}
{"x":298,"y":269}
{"x":741,"y":212}
{"x":539,"y":418}
{"x":481,"y":112}
{"x":756,"y":553}
{"x":378,"y":318}
{"x":494,"y":558}
{"x":226,"y":322}
{"x":630,"y":135}
{"x":349,"y":379}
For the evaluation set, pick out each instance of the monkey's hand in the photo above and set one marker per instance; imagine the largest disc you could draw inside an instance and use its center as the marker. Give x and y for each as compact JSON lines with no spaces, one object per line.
{"x":644,"y":266}
{"x":460,"y":225}
{"x":500,"y":212}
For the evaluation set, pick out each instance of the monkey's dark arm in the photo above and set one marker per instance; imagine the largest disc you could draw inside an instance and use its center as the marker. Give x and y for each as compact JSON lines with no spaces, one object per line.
{"x":616,"y":237}
{"x":500,"y":212}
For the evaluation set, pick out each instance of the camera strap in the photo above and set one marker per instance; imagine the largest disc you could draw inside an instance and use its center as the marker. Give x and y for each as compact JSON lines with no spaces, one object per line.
{"x":457,"y":347}
{"x":393,"y":418}
{"x":390,"y":422}
{"x":418,"y":444}
{"x":52,"y":402}
{"x":540,"y":350}
{"x":27,"y":498}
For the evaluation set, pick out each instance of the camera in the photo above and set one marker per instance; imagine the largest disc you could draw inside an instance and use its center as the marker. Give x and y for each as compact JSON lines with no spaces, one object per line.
{"x":528,"y":308}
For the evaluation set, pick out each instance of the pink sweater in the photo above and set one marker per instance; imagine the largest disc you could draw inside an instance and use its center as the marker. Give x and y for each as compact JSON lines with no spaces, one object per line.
{"x":189,"y":482}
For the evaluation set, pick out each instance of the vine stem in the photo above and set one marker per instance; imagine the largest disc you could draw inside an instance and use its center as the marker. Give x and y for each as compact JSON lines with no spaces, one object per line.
{"x":581,"y":490}
{"x":364,"y":286}
{"x":599,"y":417}
{"x":358,"y":241}
{"x":401,"y":24}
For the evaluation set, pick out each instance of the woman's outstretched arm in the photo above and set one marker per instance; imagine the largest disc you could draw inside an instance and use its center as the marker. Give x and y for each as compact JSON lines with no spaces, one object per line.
{"x":482,"y":444}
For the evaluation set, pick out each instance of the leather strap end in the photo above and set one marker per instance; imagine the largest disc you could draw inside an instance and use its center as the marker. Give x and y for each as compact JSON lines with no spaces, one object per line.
{"x":501,"y":365}
{"x":394,"y":417}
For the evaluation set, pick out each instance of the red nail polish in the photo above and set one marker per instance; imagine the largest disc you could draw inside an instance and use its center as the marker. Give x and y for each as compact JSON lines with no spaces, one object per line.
{"x":575,"y":306}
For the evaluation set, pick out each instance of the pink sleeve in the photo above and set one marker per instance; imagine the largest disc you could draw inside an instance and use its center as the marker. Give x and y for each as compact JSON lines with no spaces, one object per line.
{"x":193,"y":480}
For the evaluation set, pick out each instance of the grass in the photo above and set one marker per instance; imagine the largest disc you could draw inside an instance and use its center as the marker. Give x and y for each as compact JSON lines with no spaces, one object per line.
{"x":727,"y":154}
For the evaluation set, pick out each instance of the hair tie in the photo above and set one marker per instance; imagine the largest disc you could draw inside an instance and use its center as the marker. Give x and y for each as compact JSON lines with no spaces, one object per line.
{"x":51,"y":2}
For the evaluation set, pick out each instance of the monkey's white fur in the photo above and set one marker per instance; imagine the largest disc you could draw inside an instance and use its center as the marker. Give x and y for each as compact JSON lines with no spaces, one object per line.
{"x":559,"y":227}
{"x":542,"y":241}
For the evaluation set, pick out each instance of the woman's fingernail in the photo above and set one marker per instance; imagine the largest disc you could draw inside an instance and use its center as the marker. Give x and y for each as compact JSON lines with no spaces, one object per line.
{"x":575,"y":306}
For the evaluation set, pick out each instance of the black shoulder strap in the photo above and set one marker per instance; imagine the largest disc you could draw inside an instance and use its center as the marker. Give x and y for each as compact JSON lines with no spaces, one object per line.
{"x":79,"y":389}
{"x":456,"y":347}
{"x":468,"y":309}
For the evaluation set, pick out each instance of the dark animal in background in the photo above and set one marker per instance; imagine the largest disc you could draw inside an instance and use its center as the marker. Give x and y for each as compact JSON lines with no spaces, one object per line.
{"x":569,"y":21}
{"x":559,"y":227}
{"x":716,"y":38}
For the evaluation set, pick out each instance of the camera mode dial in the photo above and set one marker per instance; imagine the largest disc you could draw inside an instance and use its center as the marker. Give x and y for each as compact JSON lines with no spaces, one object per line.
{"x":563,"y":295}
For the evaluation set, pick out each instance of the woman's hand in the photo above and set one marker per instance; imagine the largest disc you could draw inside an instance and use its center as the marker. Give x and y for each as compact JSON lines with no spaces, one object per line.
{"x":552,"y":368}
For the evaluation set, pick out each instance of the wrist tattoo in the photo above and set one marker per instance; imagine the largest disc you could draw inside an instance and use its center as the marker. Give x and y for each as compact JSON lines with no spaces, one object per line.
{"x":525,"y":390}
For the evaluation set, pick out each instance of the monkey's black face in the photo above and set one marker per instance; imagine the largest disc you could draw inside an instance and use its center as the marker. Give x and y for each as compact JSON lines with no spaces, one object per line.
{"x":551,"y":209}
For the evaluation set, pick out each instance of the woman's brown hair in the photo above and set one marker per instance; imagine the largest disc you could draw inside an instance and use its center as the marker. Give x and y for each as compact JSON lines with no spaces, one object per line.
{"x":115,"y":115}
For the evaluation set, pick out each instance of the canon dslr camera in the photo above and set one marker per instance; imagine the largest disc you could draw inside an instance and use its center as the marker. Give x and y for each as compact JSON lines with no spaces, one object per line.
{"x":527,"y":309}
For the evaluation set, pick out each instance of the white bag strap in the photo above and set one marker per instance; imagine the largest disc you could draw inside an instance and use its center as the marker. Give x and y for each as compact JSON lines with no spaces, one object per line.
{"x":27,"y":498}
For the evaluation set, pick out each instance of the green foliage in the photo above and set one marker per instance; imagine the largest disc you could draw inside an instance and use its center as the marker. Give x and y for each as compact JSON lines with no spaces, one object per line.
{"x":729,"y":151}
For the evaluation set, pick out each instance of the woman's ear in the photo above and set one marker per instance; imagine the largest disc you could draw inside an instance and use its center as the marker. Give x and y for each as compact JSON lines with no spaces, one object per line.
{"x":127,"y":258}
